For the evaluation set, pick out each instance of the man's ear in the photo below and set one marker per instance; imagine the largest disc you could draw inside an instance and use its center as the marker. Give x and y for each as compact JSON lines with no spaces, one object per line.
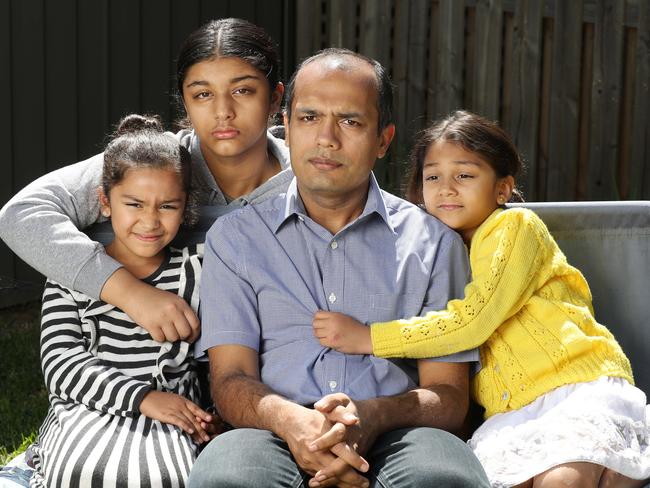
{"x":276,"y":99}
{"x":285,"y":118}
{"x":104,"y":203}
{"x":385,"y":138}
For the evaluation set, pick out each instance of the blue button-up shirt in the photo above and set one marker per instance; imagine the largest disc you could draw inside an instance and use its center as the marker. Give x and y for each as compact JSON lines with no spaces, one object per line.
{"x":269,"y":267}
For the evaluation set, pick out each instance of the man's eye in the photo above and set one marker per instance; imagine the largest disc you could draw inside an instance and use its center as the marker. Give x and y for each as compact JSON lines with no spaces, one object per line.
{"x":351,"y":122}
{"x":243,"y":91}
{"x":134,"y":205}
{"x":465,"y":176}
{"x":430,"y":178}
{"x":169,"y":207}
{"x":201,"y":95}
{"x":308,"y":118}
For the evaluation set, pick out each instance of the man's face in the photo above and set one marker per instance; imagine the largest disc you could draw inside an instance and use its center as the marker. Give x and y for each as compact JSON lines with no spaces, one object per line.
{"x":332,"y":133}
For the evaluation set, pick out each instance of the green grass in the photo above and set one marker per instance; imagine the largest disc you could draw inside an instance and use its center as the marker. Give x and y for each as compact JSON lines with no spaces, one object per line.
{"x":23,"y":399}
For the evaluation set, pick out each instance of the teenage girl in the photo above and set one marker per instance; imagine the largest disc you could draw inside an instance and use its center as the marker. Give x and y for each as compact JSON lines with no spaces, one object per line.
{"x":122,"y":406}
{"x":228,"y":84}
{"x":557,"y":389}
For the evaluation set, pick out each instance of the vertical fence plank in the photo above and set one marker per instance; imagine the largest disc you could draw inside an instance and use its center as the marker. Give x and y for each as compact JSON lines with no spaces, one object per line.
{"x":416,"y":97}
{"x":584,"y":127}
{"x":640,"y":154}
{"x":400,"y":81}
{"x":565,"y":101}
{"x":28,"y":99}
{"x":270,"y":16}
{"x":125,"y":69}
{"x":6,"y":130}
{"x":242,"y":9}
{"x":447,"y":88}
{"x":308,"y":28}
{"x":211,"y":10}
{"x":60,"y":83}
{"x":626,"y":113}
{"x":544,"y":108}
{"x":156,"y":54}
{"x":342,"y":23}
{"x":375,"y":30}
{"x":488,"y":35}
{"x":93,"y":86}
{"x":605,"y":100}
{"x":525,"y":87}
{"x":375,"y":41}
{"x":186,"y":17}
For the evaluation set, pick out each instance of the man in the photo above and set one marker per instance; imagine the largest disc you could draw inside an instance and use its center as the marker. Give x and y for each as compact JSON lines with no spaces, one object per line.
{"x":334,"y":242}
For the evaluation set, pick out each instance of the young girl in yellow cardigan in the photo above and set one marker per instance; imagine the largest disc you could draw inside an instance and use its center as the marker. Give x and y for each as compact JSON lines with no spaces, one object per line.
{"x":560,"y":405}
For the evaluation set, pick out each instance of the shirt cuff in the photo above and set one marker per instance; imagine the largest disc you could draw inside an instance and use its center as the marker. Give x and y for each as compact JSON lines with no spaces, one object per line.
{"x":387,"y":339}
{"x":94,"y":274}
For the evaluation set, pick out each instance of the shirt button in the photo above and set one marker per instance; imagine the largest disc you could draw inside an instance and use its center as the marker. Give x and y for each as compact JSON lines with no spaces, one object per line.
{"x":334,"y":245}
{"x":496,"y":368}
{"x":333,"y":384}
{"x":505,"y":395}
{"x":332,"y":298}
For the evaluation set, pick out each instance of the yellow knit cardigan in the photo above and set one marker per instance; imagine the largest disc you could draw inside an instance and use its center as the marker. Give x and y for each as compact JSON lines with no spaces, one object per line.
{"x":527,"y":309}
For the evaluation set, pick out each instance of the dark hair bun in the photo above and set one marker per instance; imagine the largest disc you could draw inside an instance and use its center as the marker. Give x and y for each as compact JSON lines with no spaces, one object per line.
{"x":136,"y":122}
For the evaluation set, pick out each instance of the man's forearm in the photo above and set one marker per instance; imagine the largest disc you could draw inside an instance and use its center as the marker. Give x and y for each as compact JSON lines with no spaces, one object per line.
{"x":440,"y":406}
{"x":243,"y":401}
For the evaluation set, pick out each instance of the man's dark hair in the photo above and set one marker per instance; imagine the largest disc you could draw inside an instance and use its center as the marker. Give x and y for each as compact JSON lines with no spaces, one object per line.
{"x":384,"y":85}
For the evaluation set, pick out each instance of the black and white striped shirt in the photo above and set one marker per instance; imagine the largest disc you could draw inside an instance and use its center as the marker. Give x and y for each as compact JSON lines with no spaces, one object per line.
{"x":98,"y":365}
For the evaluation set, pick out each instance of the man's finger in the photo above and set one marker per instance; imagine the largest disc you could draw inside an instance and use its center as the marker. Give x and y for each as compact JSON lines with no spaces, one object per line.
{"x":343,"y":415}
{"x":330,"y":438}
{"x":350,"y":456}
{"x":328,"y":402}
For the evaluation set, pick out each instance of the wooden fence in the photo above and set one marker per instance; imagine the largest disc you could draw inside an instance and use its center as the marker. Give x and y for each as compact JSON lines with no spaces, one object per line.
{"x":568,"y":78}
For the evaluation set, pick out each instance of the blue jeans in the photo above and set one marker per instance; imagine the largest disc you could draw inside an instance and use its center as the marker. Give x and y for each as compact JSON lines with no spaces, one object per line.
{"x":419,"y":457}
{"x":16,"y":474}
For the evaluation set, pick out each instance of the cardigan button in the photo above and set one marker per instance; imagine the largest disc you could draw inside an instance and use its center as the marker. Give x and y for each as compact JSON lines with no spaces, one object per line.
{"x":505,"y":396}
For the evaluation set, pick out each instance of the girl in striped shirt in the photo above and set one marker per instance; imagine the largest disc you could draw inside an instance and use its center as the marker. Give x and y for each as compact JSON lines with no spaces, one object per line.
{"x":123,"y":407}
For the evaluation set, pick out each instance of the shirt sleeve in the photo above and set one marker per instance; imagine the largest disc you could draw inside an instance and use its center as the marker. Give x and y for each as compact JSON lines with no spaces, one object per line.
{"x":507,"y":265}
{"x":448,"y":279}
{"x":71,"y":372}
{"x":228,"y":300}
{"x":42,"y":223}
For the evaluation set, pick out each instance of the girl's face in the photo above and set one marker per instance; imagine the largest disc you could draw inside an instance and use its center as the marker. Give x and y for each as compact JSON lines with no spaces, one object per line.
{"x":146,"y":210}
{"x":229,"y":103}
{"x":461,"y":188}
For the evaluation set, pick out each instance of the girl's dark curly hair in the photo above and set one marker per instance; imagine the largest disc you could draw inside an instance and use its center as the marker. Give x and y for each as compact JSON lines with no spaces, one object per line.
{"x":139,"y":142}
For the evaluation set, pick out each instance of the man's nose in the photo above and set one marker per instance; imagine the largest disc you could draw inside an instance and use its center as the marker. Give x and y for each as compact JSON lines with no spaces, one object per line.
{"x":328,"y":134}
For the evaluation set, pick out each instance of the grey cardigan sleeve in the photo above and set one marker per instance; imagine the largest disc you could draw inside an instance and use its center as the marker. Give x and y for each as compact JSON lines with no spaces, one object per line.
{"x":42,"y":224}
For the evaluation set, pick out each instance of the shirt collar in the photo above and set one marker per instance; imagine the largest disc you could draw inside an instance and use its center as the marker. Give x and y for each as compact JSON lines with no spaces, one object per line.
{"x":293,"y":205}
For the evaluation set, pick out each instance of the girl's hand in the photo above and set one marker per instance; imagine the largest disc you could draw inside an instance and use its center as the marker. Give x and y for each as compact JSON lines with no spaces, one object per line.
{"x":216,"y":426}
{"x":174,"y":409}
{"x":166,"y":316}
{"x":341,"y":332}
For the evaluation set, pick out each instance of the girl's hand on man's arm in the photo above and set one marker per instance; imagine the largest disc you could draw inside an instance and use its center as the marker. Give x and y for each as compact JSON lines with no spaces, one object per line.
{"x":165,"y":315}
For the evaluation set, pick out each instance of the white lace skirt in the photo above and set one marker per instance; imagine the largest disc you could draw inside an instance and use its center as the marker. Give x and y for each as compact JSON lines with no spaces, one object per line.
{"x":606,"y":422}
